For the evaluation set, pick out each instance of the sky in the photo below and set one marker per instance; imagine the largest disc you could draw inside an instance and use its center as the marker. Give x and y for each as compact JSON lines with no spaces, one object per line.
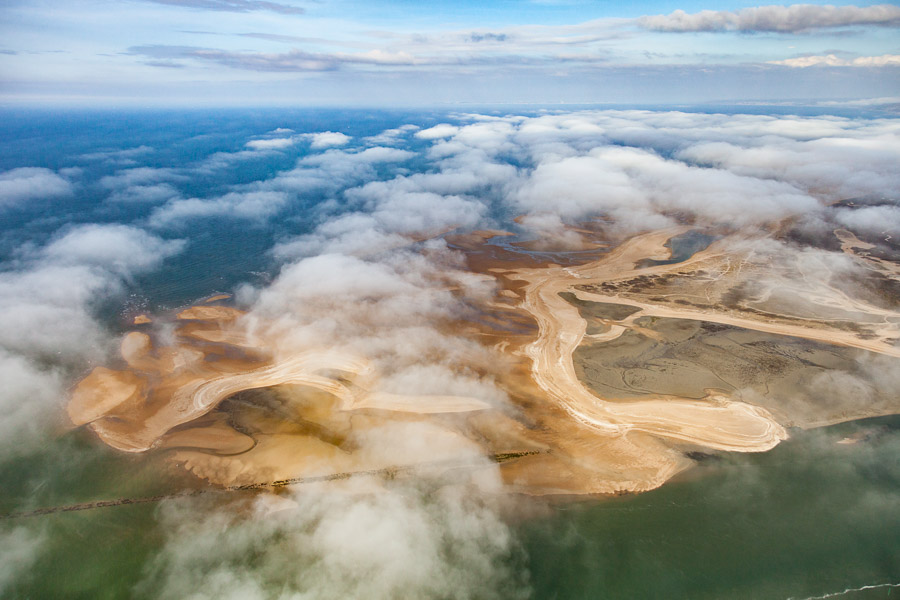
{"x":356,"y":53}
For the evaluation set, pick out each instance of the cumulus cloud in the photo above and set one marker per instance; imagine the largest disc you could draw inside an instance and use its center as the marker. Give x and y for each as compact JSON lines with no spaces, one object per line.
{"x":327,"y":139}
{"x":31,"y":183}
{"x":251,"y":206}
{"x":438,"y":131}
{"x":142,"y":184}
{"x":782,"y":19}
{"x":849,"y":164}
{"x":870,"y":219}
{"x":639,"y":189}
{"x":830,"y":60}
{"x":270,"y":144}
{"x":644,"y":169}
{"x":392,"y":306}
{"x":390,"y":137}
{"x":334,"y":170}
{"x":120,"y":249}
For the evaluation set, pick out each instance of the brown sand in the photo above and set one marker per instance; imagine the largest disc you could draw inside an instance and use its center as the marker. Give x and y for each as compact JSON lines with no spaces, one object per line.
{"x":210,"y":313}
{"x":102,"y":392}
{"x":325,"y":411}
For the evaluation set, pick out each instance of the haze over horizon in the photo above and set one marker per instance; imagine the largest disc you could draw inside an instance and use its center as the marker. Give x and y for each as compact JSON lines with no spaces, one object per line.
{"x":399,"y":53}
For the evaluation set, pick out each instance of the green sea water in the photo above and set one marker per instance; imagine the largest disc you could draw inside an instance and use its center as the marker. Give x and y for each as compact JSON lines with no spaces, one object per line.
{"x":810,"y":518}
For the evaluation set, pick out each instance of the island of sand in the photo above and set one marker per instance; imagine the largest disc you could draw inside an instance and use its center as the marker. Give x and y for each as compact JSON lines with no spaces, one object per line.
{"x":621,"y":363}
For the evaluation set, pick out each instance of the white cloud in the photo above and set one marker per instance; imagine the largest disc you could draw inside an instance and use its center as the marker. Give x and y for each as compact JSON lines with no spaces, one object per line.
{"x":830,"y":60}
{"x":270,"y":144}
{"x":120,"y":249}
{"x":442,"y":130}
{"x":31,"y":183}
{"x":327,"y":139}
{"x":252,"y":206}
{"x":389,"y":137}
{"x":140,"y":176}
{"x":782,"y":19}
{"x":870,"y":219}
{"x":123,"y":157}
{"x":883,"y":101}
{"x":337,"y":542}
{"x":334,"y":160}
{"x":333,"y":170}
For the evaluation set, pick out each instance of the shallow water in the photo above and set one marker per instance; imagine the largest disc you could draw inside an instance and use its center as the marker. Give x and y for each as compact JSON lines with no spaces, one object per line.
{"x":812,"y":517}
{"x":682,"y":247}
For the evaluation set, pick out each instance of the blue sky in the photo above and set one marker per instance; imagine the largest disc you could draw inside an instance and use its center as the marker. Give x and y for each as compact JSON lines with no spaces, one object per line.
{"x":300,"y":52}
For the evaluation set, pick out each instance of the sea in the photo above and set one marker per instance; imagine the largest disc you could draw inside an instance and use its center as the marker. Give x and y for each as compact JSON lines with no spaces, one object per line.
{"x":817,"y":517}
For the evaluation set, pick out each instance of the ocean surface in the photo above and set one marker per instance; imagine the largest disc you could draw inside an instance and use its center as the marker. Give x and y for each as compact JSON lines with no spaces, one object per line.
{"x":812,"y":518}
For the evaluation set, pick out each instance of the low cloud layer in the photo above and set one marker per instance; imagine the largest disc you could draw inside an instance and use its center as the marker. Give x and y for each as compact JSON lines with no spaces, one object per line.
{"x":327,"y":543}
{"x":781,"y":19}
{"x":251,"y":206}
{"x":31,"y":183}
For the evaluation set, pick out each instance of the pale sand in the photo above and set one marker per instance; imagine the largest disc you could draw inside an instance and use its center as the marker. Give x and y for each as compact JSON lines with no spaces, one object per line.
{"x":721,"y":423}
{"x":142,"y":320}
{"x":217,"y":297}
{"x":210,"y":313}
{"x":192,"y":392}
{"x":101,"y":392}
{"x":419,"y":404}
{"x":229,"y":337}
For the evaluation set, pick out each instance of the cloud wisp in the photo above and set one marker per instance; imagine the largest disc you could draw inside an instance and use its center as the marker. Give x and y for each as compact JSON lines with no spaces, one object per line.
{"x":235,"y":5}
{"x":796,"y":18}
